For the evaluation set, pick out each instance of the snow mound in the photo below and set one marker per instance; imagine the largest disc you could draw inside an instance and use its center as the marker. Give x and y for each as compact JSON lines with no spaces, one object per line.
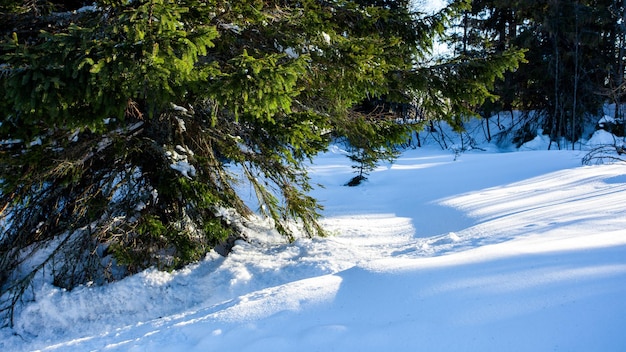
{"x":601,"y":137}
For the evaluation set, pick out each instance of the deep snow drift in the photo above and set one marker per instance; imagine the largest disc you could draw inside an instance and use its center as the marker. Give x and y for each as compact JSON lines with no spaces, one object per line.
{"x":481,"y":251}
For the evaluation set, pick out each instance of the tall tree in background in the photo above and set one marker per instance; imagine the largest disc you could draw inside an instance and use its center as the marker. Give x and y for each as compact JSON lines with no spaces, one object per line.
{"x":485,"y":33}
{"x":489,"y":27}
{"x":616,"y":48}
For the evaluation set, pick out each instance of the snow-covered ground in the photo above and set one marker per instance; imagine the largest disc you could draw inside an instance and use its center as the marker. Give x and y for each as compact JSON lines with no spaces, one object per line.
{"x":481,"y":251}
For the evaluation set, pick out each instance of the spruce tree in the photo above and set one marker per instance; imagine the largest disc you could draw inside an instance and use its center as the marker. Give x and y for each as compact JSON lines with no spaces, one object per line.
{"x":127,"y":125}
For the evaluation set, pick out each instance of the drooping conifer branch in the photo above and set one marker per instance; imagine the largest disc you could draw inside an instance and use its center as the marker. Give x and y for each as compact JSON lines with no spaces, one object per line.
{"x":124,"y":124}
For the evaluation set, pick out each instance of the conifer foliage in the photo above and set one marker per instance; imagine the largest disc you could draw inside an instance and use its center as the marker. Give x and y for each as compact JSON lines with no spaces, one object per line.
{"x":127,"y":125}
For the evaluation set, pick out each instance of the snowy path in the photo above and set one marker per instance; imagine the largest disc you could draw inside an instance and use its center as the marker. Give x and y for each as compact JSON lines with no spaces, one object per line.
{"x":518,"y":252}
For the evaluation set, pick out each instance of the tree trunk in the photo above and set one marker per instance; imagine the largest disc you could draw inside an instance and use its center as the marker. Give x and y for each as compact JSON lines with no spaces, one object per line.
{"x":553,"y":130}
{"x":576,"y":75}
{"x":620,"y":73}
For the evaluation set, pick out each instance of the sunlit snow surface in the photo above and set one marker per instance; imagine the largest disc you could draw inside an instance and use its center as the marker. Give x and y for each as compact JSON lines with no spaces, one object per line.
{"x":520,"y":251}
